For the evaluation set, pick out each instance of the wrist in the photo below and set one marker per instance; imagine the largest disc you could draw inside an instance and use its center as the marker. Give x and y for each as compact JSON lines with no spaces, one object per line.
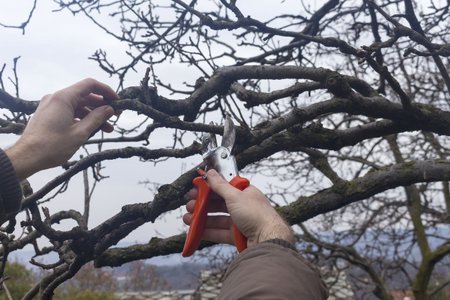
{"x":22,"y":161}
{"x":277,"y":229}
{"x":282,"y":243}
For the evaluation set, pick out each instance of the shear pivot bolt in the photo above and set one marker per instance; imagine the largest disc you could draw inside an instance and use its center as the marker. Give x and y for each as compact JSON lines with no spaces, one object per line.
{"x":223,"y":155}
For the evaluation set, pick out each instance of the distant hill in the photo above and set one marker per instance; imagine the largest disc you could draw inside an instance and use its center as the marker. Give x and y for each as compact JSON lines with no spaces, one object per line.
{"x":183,"y":273}
{"x":178,"y":272}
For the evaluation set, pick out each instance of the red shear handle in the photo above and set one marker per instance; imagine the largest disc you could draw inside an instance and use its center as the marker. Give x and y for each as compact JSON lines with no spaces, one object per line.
{"x":200,"y":214}
{"x":197,"y":227}
{"x":239,"y":239}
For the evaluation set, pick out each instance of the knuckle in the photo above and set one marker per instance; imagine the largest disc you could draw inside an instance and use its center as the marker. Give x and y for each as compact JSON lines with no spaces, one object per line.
{"x":46,"y":97}
{"x":89,"y":81}
{"x":56,"y":95}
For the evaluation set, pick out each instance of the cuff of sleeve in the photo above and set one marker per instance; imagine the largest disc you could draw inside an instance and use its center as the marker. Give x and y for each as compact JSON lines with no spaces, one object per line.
{"x":10,"y":190}
{"x":281,"y":242}
{"x":251,"y":274}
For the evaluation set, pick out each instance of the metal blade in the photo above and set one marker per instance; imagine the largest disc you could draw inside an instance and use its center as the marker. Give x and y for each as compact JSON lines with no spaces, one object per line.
{"x":209,"y":141}
{"x":229,"y":134}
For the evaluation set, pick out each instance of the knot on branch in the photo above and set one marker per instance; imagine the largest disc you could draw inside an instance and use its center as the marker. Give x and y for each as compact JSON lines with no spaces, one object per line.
{"x":338,"y":85}
{"x":224,"y":87}
{"x":165,"y":188}
{"x":83,"y":246}
{"x":147,"y":95}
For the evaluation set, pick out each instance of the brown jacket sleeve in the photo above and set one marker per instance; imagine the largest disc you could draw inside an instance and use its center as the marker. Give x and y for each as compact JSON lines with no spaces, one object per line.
{"x":270,"y":271}
{"x":10,"y":191}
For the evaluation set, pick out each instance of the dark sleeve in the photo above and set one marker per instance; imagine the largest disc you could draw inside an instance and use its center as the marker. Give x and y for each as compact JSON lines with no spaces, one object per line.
{"x":271,"y":271}
{"x":10,"y":191}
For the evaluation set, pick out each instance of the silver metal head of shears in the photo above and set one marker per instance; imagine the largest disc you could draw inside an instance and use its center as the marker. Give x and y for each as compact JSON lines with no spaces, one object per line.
{"x":220,"y":158}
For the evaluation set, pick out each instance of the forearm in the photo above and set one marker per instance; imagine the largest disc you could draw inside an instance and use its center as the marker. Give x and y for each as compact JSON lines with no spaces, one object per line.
{"x":22,"y":160}
{"x":271,"y":271}
{"x":10,"y":191}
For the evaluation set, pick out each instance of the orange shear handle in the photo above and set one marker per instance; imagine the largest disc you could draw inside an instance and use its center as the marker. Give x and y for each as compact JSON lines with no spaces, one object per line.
{"x":200,"y":214}
{"x":197,"y":227}
{"x":239,"y":239}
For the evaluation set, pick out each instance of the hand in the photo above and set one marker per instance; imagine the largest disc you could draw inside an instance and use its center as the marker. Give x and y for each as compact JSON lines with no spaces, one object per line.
{"x":62,"y":122}
{"x":249,"y":210}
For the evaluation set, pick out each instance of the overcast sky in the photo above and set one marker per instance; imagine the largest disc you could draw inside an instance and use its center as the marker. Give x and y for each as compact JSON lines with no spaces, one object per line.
{"x":54,"y":52}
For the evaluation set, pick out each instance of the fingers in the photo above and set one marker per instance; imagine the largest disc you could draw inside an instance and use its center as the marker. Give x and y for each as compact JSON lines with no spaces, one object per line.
{"x":88,"y":86}
{"x":93,"y":101}
{"x":82,"y":112}
{"x":218,"y":236}
{"x":215,"y":205}
{"x":95,"y":120}
{"x":91,"y":94}
{"x":217,"y":229}
{"x":212,"y":222}
{"x":192,"y":194}
{"x":221,"y":187}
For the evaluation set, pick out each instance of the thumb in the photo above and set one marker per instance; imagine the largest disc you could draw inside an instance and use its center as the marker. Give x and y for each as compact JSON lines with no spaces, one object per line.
{"x":95,"y":119}
{"x":221,"y":187}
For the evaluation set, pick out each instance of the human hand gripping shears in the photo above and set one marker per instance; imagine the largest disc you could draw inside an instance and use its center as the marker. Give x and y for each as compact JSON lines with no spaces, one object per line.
{"x":220,"y":159}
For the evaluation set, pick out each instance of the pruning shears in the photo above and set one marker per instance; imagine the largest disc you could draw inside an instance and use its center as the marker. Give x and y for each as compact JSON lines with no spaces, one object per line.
{"x":220,"y":159}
